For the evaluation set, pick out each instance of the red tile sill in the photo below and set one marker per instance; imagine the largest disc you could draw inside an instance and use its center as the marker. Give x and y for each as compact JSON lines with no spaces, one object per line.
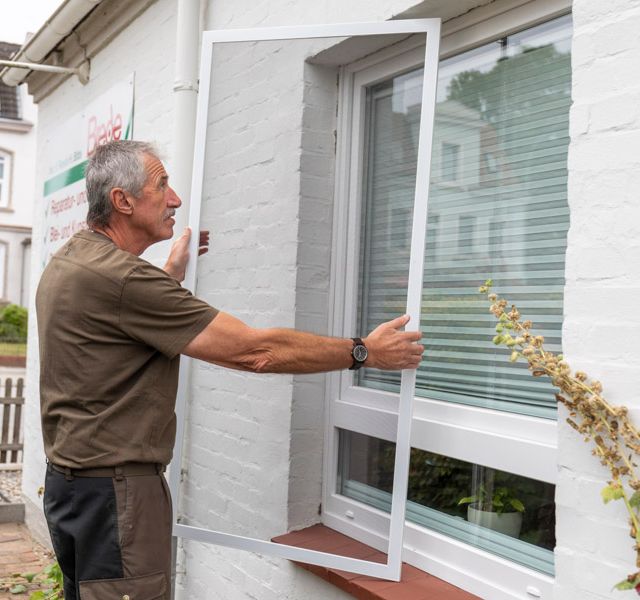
{"x":414,"y":584}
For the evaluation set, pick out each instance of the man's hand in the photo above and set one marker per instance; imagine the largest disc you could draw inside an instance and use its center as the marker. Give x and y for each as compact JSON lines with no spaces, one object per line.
{"x":179,"y":256}
{"x":392,"y":349}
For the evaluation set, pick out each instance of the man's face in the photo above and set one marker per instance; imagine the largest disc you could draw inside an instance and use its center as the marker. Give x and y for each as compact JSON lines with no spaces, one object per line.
{"x":155,"y":207}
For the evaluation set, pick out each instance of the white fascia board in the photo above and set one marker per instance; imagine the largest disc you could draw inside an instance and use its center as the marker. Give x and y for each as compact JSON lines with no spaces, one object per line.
{"x":57,"y":27}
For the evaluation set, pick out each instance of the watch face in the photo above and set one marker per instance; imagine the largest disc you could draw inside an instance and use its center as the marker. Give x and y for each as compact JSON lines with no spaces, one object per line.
{"x":360,"y":353}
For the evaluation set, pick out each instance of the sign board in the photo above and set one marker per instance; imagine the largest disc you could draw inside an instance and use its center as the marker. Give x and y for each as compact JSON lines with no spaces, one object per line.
{"x":108,"y":117}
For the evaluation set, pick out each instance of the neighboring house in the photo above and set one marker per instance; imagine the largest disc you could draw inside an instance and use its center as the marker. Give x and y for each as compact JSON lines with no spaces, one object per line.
{"x":17,"y":163}
{"x":308,"y":192}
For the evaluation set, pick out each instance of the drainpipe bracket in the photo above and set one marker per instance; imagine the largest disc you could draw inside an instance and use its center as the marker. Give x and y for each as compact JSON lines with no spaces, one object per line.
{"x":83,"y":72}
{"x":184,"y":86}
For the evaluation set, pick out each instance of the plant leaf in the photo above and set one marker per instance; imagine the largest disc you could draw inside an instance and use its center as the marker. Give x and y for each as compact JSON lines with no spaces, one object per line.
{"x":635,"y":500}
{"x":625,"y":584}
{"x":467,"y":500}
{"x":29,"y":576}
{"x":611,"y":492}
{"x":517,"y":504}
{"x":18,"y":589}
{"x":39,"y":595}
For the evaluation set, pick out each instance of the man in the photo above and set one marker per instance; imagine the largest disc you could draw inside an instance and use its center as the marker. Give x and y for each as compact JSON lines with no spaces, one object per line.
{"x":112,"y":328}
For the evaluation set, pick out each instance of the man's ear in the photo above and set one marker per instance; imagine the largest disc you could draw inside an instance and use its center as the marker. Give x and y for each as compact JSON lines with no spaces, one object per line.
{"x":121,"y":201}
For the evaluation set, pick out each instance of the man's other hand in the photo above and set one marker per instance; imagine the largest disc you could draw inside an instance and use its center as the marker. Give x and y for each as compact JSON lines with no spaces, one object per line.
{"x":179,"y":256}
{"x":391,"y":349}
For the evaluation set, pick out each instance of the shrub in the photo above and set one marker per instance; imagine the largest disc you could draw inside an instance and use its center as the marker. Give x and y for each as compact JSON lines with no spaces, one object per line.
{"x":13,"y":323}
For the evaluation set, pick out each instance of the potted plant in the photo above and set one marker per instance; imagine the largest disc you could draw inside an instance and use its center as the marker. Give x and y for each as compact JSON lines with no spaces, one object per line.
{"x":500,"y":510}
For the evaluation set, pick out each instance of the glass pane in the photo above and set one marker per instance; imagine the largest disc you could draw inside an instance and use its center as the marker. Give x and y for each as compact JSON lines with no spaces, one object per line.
{"x":497,"y":209}
{"x":505,"y":514}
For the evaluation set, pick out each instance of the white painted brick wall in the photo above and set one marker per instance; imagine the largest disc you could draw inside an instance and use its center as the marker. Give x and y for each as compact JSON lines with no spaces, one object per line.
{"x":270,"y":195}
{"x":603,"y":283}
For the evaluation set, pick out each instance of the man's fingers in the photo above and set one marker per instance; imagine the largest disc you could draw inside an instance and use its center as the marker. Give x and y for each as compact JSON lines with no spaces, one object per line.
{"x":203,"y":246}
{"x":411,"y":336}
{"x":398,"y":322}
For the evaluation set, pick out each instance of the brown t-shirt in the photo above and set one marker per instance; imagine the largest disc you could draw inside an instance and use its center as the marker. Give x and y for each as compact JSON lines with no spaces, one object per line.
{"x":111,"y":329}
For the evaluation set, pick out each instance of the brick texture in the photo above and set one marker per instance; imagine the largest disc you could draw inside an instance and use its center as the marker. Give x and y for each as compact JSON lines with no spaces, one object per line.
{"x":603,"y":284}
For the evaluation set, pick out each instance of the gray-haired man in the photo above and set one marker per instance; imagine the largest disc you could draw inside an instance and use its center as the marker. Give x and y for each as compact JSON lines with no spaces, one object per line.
{"x":112,"y":328}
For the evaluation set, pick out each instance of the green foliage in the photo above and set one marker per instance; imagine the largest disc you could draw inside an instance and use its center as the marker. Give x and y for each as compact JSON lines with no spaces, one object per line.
{"x":501,"y":501}
{"x":13,"y":323}
{"x":627,"y":584}
{"x":612,"y":492}
{"x":18,"y":589}
{"x":45,"y":585}
{"x":634,"y":501}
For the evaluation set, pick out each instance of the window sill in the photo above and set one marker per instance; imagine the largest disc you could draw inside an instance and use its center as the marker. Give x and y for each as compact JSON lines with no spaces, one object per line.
{"x":414,"y":585}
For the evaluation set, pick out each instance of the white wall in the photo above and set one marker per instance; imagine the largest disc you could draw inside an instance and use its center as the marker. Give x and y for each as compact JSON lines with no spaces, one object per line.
{"x":19,"y":139}
{"x":23,"y":146}
{"x":258,"y":271}
{"x":603,"y":284}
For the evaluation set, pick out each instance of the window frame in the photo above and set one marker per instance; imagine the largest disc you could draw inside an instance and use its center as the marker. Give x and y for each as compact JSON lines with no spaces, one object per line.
{"x":510,"y":442}
{"x":429,"y":28}
{"x":4,"y":268}
{"x":5,"y":189}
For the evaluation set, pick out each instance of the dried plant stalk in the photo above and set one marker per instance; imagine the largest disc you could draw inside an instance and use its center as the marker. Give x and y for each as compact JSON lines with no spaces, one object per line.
{"x":615,"y":440}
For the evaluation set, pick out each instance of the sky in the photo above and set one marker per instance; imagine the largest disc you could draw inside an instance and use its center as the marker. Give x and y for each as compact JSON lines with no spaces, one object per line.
{"x":22,"y":16}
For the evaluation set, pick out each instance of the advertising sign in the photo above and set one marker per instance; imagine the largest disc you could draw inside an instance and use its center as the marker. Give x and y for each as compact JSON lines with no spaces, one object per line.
{"x":109,"y":117}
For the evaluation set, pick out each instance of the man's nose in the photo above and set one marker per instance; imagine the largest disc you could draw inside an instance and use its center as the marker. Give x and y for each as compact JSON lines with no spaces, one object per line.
{"x":174,"y":199}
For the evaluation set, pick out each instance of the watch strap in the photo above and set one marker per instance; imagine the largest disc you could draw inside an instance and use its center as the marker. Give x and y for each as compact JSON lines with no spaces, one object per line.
{"x":356,"y":363}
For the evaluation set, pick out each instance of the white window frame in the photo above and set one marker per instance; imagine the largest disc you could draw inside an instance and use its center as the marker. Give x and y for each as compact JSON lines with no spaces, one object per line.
{"x":4,"y":268}
{"x":5,"y":190}
{"x":429,"y":28}
{"x":509,"y":442}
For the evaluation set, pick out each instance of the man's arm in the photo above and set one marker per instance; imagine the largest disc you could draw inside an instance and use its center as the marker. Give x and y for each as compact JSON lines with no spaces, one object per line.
{"x":228,"y":342}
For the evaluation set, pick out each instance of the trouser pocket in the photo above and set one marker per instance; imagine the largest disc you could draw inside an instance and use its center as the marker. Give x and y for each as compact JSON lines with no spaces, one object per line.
{"x":145,"y":587}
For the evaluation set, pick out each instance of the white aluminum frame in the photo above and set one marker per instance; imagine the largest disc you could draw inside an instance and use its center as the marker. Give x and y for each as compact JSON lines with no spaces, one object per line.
{"x":481,"y":434}
{"x":431,"y":28}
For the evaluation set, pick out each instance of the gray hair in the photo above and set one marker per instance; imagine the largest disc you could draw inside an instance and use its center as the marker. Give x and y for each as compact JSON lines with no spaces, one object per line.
{"x":115,"y":164}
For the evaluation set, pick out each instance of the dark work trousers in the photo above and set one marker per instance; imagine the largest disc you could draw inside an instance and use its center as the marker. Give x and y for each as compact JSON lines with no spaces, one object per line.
{"x":111,"y":535}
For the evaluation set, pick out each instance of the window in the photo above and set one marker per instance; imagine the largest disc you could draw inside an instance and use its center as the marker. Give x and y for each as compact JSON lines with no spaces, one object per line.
{"x":4,"y":257}
{"x":449,"y":161}
{"x":9,"y":102}
{"x":5,"y":174}
{"x":483,"y":428}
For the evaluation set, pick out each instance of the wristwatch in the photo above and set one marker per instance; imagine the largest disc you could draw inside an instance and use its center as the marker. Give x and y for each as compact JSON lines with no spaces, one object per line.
{"x":359,"y":354}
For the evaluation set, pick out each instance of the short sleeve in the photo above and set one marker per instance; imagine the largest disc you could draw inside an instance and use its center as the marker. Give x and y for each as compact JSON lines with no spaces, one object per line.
{"x":156,"y":310}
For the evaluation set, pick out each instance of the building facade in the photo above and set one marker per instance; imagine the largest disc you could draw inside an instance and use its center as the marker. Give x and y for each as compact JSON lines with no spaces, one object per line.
{"x":308,"y":190}
{"x":17,"y":156}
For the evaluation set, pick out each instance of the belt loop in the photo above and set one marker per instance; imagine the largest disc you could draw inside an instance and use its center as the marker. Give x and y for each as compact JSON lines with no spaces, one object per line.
{"x":67,"y":474}
{"x":119,"y":475}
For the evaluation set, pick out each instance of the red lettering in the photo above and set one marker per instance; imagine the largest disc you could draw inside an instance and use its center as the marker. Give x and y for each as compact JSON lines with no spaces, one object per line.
{"x":101,"y":133}
{"x":92,"y":142}
{"x":117,"y":127}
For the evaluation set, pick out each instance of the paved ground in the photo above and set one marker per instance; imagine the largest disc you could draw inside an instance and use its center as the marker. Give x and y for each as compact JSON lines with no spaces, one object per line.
{"x":19,"y":553}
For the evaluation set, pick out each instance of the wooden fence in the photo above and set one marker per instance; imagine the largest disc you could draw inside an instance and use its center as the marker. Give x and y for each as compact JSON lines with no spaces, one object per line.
{"x":11,"y":408}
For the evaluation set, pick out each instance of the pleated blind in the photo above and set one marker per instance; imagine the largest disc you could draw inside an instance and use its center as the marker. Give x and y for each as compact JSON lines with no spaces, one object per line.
{"x":497,"y":209}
